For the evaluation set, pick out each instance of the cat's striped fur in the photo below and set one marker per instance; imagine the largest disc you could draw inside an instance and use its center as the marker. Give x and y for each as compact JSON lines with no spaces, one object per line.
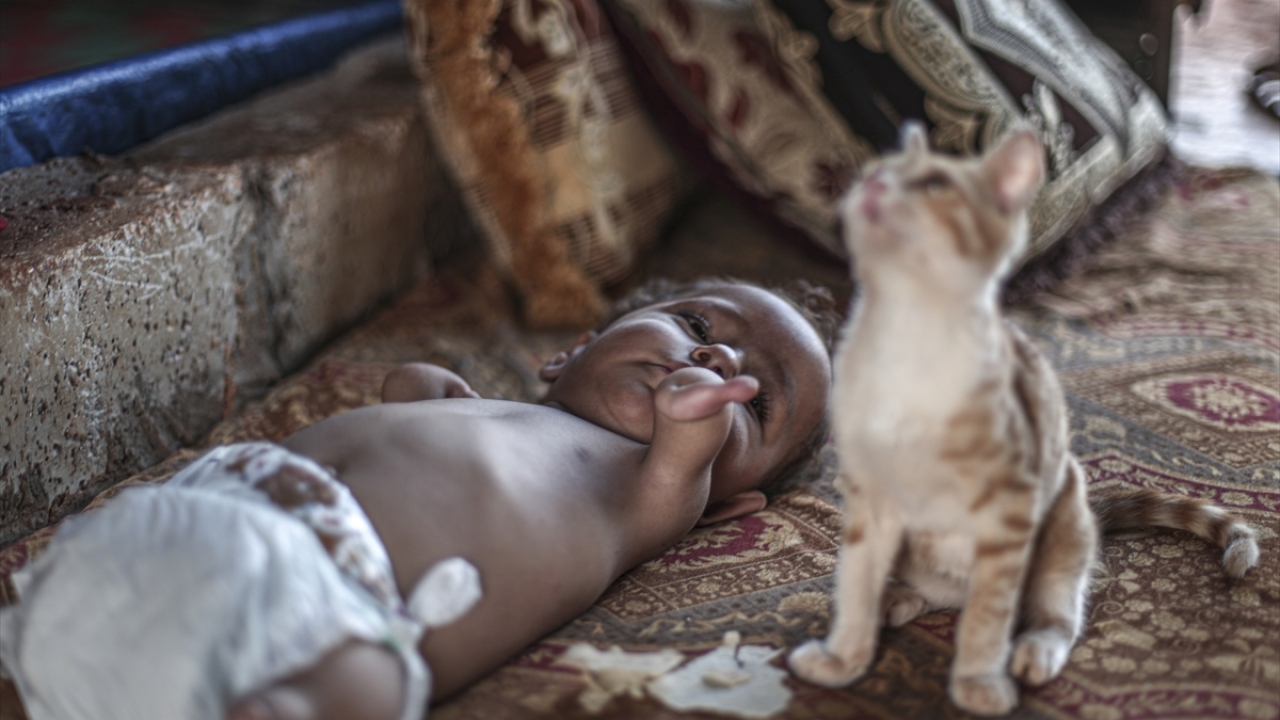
{"x":1125,"y":509}
{"x":952,"y":434}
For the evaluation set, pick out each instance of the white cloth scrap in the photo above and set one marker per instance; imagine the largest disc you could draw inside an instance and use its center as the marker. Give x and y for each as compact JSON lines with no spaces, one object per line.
{"x":733,"y":679}
{"x":742,"y":684}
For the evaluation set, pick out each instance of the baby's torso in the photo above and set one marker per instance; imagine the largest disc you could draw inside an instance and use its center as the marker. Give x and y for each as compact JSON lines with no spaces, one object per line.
{"x":451,"y":477}
{"x":530,"y":495}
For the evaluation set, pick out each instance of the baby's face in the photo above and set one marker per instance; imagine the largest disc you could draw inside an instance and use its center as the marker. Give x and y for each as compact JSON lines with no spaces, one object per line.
{"x":610,"y":378}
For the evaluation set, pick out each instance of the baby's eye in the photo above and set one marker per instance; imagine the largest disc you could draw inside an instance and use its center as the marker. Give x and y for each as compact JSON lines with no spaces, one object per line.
{"x":760,"y":405}
{"x":698,"y":325}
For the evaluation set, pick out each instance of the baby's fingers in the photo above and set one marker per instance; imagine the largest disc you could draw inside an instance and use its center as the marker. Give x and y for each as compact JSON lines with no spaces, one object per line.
{"x":458,"y":388}
{"x":695,"y":393}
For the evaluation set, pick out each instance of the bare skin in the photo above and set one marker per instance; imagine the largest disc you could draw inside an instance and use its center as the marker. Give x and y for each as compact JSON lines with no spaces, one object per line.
{"x":358,"y":681}
{"x":670,"y":417}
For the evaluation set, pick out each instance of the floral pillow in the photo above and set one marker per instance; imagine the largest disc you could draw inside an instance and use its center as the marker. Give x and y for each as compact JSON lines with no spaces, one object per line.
{"x":785,"y":101}
{"x":533,"y":110}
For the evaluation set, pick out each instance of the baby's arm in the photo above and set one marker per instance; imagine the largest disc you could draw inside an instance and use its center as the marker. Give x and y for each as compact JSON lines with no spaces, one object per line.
{"x":420,"y":381}
{"x":692,"y":415}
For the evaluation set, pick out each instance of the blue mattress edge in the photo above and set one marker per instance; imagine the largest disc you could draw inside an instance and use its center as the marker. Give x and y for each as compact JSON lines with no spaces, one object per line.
{"x":112,"y":107}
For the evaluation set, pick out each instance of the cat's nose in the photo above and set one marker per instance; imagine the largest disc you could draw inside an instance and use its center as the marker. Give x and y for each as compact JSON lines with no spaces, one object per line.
{"x":718,"y":358}
{"x":872,"y":190}
{"x":875,"y":182}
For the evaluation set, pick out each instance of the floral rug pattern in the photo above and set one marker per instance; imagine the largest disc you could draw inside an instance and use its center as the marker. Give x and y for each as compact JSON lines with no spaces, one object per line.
{"x":1169,"y":349}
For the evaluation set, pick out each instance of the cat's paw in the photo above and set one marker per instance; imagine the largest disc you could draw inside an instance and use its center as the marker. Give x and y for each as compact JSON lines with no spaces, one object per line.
{"x":1039,"y":655}
{"x":813,"y":663}
{"x":984,"y":694}
{"x":902,"y":604}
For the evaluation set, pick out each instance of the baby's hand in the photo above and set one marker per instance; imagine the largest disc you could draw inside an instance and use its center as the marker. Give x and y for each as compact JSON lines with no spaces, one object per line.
{"x":420,"y":381}
{"x":695,"y":393}
{"x":692,"y":417}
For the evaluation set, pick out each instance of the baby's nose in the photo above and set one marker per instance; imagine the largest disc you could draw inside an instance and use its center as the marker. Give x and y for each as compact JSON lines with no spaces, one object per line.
{"x":719,"y":358}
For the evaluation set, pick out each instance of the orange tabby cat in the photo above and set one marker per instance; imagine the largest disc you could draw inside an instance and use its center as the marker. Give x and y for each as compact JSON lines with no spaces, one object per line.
{"x":953,"y":439}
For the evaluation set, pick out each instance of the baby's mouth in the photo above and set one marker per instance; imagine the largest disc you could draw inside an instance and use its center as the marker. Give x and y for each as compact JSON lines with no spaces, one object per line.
{"x":657,"y":371}
{"x":669,"y":366}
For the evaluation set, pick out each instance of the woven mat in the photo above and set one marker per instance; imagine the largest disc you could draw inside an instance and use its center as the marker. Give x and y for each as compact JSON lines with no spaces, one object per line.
{"x":1169,"y":348}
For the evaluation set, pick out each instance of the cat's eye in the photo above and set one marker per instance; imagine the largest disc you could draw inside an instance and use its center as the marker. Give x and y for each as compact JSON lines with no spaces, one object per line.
{"x":933,"y":183}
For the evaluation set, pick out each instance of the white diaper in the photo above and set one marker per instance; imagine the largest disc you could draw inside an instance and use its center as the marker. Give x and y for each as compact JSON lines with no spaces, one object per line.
{"x":175,"y":601}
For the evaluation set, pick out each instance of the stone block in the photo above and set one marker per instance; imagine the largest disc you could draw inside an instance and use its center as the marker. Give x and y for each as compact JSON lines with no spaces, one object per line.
{"x":340,"y":176}
{"x":117,"y":319}
{"x":143,"y":298}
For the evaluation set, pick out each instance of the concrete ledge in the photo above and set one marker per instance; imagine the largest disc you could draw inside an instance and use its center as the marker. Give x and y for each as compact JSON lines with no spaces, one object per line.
{"x":118,"y":313}
{"x":144,"y":298}
{"x":338,"y":183}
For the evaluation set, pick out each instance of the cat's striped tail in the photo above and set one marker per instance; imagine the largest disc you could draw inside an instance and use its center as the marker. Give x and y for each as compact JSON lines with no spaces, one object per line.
{"x":1124,"y":509}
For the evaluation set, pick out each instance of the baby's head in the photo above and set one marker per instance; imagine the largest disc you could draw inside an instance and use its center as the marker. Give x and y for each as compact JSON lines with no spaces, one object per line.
{"x":781,"y":337}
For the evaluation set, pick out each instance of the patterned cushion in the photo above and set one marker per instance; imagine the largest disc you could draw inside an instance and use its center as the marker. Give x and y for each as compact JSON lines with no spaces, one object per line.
{"x":788,"y":100}
{"x":534,"y":112}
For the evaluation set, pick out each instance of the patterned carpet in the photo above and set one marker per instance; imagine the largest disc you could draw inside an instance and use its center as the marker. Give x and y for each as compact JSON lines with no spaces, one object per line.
{"x":1169,"y":347}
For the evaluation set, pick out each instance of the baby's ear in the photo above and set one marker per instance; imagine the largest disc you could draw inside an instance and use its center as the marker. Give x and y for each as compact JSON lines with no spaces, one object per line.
{"x":744,"y":503}
{"x":553,"y":367}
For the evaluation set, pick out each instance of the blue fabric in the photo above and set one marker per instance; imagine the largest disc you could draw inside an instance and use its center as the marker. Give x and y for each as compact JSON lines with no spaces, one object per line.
{"x":111,"y":107}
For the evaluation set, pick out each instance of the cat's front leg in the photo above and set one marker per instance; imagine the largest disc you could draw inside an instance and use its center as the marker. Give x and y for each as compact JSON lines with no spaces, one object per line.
{"x":871,"y":538}
{"x":980,"y":682}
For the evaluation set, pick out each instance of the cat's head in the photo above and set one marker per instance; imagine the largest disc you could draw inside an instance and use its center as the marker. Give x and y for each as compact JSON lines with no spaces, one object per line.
{"x":938,"y":223}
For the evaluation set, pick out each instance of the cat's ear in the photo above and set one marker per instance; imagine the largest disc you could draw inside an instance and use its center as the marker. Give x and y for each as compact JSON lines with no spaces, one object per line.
{"x":744,"y":503}
{"x":914,"y":141}
{"x":553,"y":367}
{"x":1015,"y":168}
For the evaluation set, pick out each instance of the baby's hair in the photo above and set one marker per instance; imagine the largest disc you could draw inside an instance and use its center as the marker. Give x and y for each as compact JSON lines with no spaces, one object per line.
{"x":813,"y":302}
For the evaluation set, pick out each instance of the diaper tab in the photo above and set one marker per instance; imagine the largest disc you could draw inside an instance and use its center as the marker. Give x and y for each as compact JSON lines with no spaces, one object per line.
{"x":445,"y":593}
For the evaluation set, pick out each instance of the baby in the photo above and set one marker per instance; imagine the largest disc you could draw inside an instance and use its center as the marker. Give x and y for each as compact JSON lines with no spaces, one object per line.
{"x":490,"y":522}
